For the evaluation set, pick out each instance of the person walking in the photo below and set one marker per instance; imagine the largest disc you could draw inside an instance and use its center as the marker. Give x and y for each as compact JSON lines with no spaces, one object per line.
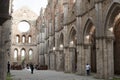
{"x":32,"y":68}
{"x":8,"y":67}
{"x":88,"y":69}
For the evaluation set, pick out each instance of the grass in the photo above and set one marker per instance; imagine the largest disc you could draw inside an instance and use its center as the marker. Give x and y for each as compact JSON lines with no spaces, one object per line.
{"x":116,"y":79}
{"x":8,"y":77}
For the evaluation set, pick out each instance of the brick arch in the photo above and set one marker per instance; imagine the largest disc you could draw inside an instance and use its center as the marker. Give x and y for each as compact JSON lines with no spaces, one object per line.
{"x":112,"y":12}
{"x":113,"y":21}
{"x":17,"y":39}
{"x":88,"y":29}
{"x":61,"y":38}
{"x":72,"y":35}
{"x":15,"y":55}
{"x":23,"y":49}
{"x":29,"y":38}
{"x":29,"y":55}
{"x":23,"y":39}
{"x":90,"y":39}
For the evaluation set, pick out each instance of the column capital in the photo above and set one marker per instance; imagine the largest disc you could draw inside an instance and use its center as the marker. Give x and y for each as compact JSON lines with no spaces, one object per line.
{"x":86,"y":46}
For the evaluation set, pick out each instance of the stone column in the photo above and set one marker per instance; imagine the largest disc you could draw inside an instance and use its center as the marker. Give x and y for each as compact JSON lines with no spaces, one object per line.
{"x":87,"y":53}
{"x":61,"y":59}
{"x":80,"y":49}
{"x":67,"y":59}
{"x":72,"y":59}
{"x":2,"y":56}
{"x":110,"y":58}
{"x":99,"y":57}
{"x":57,"y":60}
{"x":99,"y":39}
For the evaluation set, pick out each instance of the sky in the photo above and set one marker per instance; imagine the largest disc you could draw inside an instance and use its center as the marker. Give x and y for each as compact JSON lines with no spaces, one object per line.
{"x":34,"y":5}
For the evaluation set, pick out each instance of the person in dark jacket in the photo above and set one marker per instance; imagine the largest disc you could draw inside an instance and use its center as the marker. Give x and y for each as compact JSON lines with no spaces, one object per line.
{"x":32,"y":68}
{"x":8,"y":67}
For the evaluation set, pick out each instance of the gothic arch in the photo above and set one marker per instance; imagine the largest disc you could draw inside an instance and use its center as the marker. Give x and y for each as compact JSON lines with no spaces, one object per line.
{"x":29,"y":39}
{"x":23,"y":53}
{"x":30,"y":54}
{"x":112,"y":29}
{"x":15,"y":55}
{"x":90,"y":44}
{"x":112,"y":11}
{"x":23,"y":39}
{"x":88,"y":30}
{"x":61,"y":39}
{"x":17,"y":38}
{"x":72,"y":38}
{"x":73,"y":49}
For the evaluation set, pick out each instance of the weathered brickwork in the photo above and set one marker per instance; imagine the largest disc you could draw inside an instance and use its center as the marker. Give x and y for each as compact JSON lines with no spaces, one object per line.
{"x":19,"y":48}
{"x":85,"y":27}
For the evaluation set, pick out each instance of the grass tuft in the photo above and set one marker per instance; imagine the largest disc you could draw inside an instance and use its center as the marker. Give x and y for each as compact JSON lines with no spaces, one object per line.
{"x":8,"y":77}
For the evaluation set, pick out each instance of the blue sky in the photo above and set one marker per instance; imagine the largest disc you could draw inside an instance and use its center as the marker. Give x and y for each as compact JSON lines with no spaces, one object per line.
{"x":34,"y":5}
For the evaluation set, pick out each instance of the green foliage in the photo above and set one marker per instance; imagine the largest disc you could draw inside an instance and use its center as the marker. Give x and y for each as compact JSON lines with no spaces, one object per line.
{"x":8,"y":77}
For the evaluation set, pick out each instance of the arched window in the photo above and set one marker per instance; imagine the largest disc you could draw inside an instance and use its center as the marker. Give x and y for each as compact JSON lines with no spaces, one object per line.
{"x":17,"y":38}
{"x":29,"y":39}
{"x":30,"y":54}
{"x":22,"y":54}
{"x":23,"y":39}
{"x":15,"y":54}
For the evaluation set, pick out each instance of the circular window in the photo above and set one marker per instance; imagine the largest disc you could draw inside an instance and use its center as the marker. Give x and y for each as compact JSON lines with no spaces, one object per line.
{"x":23,"y":26}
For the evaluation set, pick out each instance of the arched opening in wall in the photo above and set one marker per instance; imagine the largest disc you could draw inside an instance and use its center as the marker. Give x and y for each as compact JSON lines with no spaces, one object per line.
{"x":73,"y":49}
{"x":23,"y":39}
{"x":61,"y":46}
{"x":30,"y":54}
{"x":15,"y":56}
{"x":117,"y":48}
{"x":29,"y":39}
{"x":17,"y":39}
{"x":93,"y":50}
{"x":23,"y":53}
{"x":112,"y":29}
{"x":90,"y":41}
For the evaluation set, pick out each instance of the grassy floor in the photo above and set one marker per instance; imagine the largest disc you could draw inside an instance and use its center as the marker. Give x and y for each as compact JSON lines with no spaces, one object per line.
{"x":116,"y":79}
{"x":9,"y":77}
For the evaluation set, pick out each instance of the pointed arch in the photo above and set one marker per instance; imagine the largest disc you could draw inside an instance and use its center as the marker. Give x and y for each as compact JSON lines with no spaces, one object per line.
{"x":17,"y":38}
{"x":15,"y":54}
{"x":112,"y":11}
{"x":23,"y":53}
{"x":29,"y":39}
{"x":88,"y":30}
{"x":72,"y":36}
{"x":61,"y":40}
{"x":90,"y":39}
{"x":23,"y":39}
{"x":30,"y":54}
{"x":112,"y":29}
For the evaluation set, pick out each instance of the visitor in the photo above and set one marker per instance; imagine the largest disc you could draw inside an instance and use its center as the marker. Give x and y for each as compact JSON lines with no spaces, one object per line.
{"x":8,"y":67}
{"x":88,"y":69}
{"x":32,"y":68}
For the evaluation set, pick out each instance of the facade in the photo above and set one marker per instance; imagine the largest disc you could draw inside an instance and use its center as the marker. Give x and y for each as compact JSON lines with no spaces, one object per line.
{"x":23,"y":43}
{"x":77,"y":32}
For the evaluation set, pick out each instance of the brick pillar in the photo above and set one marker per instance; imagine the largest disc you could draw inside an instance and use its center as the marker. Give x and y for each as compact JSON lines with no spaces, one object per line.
{"x":80,"y":60}
{"x":87,"y":52}
{"x":67,"y":59}
{"x":99,"y":57}
{"x":109,"y":69}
